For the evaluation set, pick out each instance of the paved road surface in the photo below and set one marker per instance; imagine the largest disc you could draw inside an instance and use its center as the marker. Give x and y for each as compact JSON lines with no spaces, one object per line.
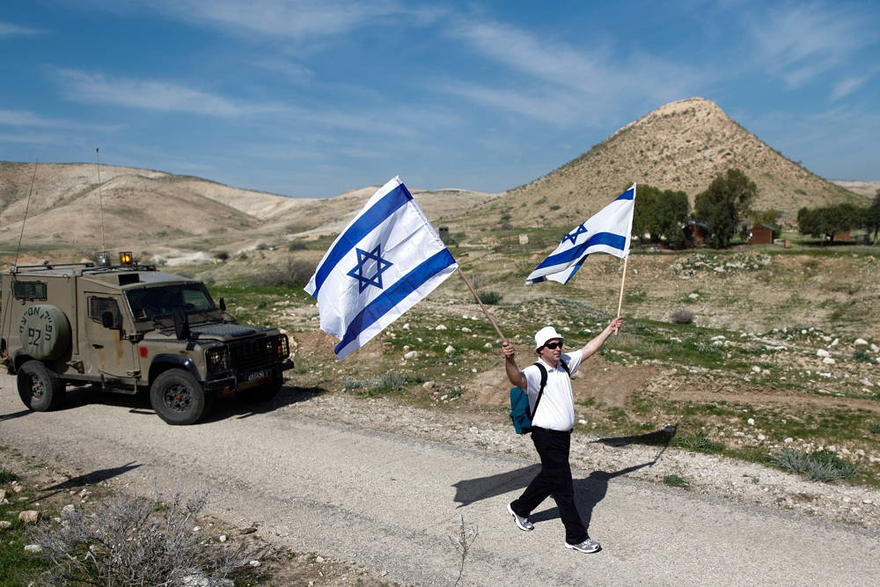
{"x":390,"y":502}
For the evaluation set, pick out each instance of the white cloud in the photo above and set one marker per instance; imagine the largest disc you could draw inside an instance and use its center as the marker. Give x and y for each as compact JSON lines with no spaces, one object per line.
{"x":799,"y":42}
{"x":848,"y":85}
{"x":14,"y":30}
{"x":290,"y":19}
{"x":23,"y":118}
{"x":564,"y":84}
{"x":149,"y":95}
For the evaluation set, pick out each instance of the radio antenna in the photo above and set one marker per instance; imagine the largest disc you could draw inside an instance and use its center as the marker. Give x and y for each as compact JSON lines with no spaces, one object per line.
{"x":26,"y":208}
{"x":100,"y":196}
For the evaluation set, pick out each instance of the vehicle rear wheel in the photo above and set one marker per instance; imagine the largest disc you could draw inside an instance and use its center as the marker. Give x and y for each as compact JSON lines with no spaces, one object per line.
{"x":39,"y":388}
{"x":178,"y":398}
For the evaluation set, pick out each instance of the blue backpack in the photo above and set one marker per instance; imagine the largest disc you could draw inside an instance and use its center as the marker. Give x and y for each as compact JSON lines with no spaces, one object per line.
{"x":520,"y":413}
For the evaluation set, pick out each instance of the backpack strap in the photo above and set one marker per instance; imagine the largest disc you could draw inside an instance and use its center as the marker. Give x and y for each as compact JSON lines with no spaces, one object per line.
{"x":543,"y":371}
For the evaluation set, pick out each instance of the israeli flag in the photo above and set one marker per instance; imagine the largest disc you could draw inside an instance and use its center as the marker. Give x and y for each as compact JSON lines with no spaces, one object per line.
{"x":607,"y":231}
{"x":386,"y":260}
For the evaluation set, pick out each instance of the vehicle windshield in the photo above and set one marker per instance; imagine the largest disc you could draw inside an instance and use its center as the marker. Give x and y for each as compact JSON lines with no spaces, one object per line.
{"x":158,"y":303}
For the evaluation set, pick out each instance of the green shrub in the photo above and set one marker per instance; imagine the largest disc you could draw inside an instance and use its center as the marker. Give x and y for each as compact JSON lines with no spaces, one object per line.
{"x":297,"y":246}
{"x":292,"y":272}
{"x":874,"y":428}
{"x":222,"y":255}
{"x":698,"y":443}
{"x":822,"y":465}
{"x":7,"y":476}
{"x":676,"y":481}
{"x":490,"y":298}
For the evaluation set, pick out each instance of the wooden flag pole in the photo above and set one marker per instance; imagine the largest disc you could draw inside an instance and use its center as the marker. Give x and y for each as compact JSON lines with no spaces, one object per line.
{"x":479,"y":301}
{"x":622,"y":281}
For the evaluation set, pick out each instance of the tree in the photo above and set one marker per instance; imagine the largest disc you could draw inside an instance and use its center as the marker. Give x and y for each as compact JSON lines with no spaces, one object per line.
{"x":826,"y":222}
{"x":660,"y":214}
{"x":872,"y":218}
{"x":724,"y":203}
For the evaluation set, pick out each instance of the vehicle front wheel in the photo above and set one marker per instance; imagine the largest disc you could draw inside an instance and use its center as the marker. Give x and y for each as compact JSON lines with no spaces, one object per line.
{"x":39,"y":388}
{"x":178,"y":398}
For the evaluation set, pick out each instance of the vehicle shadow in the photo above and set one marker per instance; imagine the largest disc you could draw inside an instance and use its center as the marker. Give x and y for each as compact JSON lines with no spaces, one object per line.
{"x":13,"y":415}
{"x":240,"y":405}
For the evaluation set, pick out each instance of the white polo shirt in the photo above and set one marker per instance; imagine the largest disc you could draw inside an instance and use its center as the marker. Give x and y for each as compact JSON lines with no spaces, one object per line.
{"x":556,"y":410}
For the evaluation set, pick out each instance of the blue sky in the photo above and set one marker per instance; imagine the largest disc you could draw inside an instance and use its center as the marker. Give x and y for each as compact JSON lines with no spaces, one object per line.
{"x":312,"y":98}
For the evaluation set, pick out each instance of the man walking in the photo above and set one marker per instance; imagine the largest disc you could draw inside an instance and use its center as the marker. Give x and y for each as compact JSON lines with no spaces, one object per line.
{"x":552,"y":423}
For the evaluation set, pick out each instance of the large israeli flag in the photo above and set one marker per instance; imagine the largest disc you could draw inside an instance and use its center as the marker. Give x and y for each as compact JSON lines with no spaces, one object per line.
{"x":607,"y":231}
{"x":386,"y":260}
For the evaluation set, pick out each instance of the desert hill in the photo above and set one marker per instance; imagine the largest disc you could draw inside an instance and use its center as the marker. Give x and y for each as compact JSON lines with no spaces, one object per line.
{"x":147,"y":208}
{"x":864,"y":188}
{"x":683,"y":146}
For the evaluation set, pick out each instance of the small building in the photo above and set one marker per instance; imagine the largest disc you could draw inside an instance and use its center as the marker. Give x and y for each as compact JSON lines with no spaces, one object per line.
{"x":696,"y":232}
{"x":843,"y":235}
{"x":761,"y":234}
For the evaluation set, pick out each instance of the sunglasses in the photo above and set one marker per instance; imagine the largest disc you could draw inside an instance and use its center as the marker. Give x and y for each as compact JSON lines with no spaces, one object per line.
{"x":554,"y":345}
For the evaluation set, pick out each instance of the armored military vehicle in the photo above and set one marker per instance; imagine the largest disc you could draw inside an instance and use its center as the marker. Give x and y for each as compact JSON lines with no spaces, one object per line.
{"x":127,"y":328}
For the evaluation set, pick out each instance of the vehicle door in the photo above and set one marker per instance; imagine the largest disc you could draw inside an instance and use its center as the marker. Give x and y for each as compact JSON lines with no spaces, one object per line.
{"x":111,"y":351}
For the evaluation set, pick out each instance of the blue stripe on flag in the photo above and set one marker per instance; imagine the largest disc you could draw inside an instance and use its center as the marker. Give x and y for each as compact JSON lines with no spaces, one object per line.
{"x":395,"y":294}
{"x":627,"y":195}
{"x":377,"y":214}
{"x":601,"y":238}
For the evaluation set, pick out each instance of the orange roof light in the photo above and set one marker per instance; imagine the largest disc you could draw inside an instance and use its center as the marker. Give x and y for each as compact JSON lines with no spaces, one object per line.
{"x":126,"y":258}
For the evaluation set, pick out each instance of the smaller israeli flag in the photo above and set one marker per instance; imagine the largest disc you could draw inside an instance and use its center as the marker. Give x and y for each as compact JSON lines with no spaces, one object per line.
{"x":607,"y":231}
{"x":386,"y":260}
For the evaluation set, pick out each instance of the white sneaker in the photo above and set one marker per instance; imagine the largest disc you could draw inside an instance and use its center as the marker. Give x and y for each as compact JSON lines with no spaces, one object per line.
{"x":587,"y":546}
{"x":521,"y":522}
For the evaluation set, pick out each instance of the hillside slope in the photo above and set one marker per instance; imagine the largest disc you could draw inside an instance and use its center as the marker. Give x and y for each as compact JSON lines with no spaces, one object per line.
{"x":137,"y":208}
{"x":683,"y":146}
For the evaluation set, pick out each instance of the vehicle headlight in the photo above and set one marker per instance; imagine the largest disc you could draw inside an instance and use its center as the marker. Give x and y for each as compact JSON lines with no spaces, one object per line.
{"x":218,"y":359}
{"x":282,"y":346}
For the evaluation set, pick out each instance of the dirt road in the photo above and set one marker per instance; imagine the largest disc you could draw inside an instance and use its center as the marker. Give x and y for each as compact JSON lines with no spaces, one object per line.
{"x":390,"y":502}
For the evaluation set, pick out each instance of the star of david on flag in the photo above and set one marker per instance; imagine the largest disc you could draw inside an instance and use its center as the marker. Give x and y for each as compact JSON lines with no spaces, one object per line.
{"x":607,"y":231}
{"x":384,"y":262}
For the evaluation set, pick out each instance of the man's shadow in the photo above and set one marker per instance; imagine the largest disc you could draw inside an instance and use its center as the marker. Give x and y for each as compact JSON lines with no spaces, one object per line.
{"x":588,"y":492}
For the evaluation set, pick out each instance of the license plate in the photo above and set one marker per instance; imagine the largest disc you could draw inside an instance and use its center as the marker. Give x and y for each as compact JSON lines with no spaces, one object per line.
{"x":261,"y":374}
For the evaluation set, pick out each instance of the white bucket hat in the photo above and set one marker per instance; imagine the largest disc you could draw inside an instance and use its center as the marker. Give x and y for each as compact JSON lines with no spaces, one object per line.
{"x":545,"y":334}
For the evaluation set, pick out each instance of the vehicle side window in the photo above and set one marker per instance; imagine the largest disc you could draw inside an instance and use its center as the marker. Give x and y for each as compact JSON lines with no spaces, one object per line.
{"x":99,"y":306}
{"x":29,"y":290}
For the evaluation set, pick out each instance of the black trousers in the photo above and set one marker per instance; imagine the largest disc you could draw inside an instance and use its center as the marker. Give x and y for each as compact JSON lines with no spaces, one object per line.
{"x":553,"y":480}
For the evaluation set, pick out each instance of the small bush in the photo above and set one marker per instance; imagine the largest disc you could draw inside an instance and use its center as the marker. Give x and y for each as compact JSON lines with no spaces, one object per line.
{"x":296,"y":246}
{"x":683,"y":317}
{"x":822,"y":465}
{"x":134,"y":541}
{"x":490,"y":298}
{"x":262,"y":247}
{"x":222,"y":255}
{"x":676,"y":481}
{"x":874,"y":428}
{"x":7,"y":476}
{"x":861,"y":356}
{"x":388,"y":383}
{"x":293,"y":272}
{"x":698,"y":443}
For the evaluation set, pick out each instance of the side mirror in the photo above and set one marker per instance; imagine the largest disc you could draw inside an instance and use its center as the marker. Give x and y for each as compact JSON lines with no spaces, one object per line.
{"x":181,"y":324}
{"x":107,"y":320}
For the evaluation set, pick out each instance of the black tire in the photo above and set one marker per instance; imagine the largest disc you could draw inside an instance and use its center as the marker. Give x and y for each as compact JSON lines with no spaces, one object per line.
{"x":268,"y":392}
{"x":178,"y":398}
{"x":39,"y":388}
